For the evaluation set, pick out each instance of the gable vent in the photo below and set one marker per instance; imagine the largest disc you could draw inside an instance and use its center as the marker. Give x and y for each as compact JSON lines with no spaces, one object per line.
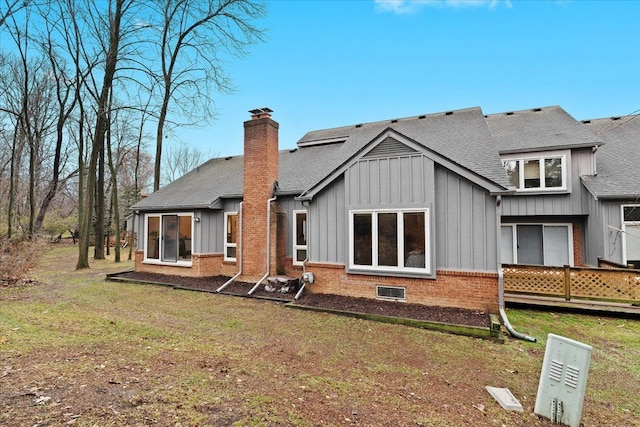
{"x":391,"y":292}
{"x":390,"y":147}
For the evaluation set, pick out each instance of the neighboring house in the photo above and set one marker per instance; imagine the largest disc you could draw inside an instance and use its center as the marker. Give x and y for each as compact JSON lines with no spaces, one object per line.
{"x":417,"y":209}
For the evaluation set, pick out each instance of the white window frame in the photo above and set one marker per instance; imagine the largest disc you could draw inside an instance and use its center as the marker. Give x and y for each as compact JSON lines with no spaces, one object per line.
{"x":178,"y":262}
{"x":296,"y":246}
{"x":625,"y":223}
{"x":374,"y":267}
{"x":229,"y":244}
{"x":514,"y":239}
{"x":564,"y":156}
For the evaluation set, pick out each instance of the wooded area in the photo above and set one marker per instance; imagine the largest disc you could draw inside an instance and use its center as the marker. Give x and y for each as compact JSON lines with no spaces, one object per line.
{"x":88,"y":90}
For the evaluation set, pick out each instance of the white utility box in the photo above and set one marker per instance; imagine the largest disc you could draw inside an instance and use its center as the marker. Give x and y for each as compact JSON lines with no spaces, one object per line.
{"x":563,"y":380}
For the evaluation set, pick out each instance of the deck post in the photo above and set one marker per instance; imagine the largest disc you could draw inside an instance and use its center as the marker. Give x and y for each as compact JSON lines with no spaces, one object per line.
{"x":567,"y":283}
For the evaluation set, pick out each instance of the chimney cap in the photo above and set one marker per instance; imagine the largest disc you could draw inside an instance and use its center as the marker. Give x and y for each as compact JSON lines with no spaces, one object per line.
{"x":259,"y":113}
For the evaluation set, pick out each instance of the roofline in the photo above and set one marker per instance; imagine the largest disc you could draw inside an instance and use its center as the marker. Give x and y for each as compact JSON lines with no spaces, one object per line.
{"x":488,"y":184}
{"x":554,"y":147}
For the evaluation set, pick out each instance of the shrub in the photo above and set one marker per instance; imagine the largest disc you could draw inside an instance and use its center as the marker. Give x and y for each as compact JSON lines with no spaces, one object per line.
{"x":17,"y":257}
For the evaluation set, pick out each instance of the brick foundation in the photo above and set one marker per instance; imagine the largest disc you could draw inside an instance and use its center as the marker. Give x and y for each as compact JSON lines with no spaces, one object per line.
{"x":464,"y":289}
{"x":202,"y":265}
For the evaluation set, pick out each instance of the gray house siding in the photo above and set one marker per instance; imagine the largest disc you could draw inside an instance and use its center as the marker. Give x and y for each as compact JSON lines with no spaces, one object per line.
{"x":465,"y":218}
{"x":327,"y":227}
{"x":390,"y":182}
{"x":554,"y":204}
{"x":463,"y":214}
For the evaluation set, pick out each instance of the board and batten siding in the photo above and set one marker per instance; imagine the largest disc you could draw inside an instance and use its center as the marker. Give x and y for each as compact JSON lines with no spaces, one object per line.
{"x":465,"y":219}
{"x":211,"y":234}
{"x":394,"y":182}
{"x":603,"y":231}
{"x":540,"y":204}
{"x":327,"y":240}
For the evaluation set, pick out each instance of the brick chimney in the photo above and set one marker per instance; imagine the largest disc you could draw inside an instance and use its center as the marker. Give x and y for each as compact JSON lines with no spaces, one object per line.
{"x":260,"y":176}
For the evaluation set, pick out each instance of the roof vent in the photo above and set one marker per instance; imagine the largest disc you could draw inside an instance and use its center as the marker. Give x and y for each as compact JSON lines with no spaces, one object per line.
{"x":537,"y":109}
{"x":394,"y":121}
{"x":615,"y":118}
{"x":448,"y":113}
{"x":228,"y":158}
{"x":359,"y":125}
{"x":586,"y":121}
{"x":509,"y":113}
{"x":422,"y":117}
{"x":293,"y":150}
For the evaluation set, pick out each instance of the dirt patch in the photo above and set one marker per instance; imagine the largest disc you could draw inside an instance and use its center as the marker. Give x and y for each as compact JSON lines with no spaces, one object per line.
{"x":449,"y":315}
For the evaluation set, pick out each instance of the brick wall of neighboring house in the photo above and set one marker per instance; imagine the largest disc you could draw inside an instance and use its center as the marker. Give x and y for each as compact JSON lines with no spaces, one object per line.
{"x":464,"y":289}
{"x":578,"y":244}
{"x":260,"y":174}
{"x":201,"y":265}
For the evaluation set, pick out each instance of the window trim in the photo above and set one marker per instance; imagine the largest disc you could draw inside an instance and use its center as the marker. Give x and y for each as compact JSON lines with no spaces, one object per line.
{"x":295,"y":246}
{"x":514,"y":238}
{"x":624,"y":223}
{"x":159,"y":260}
{"x":565,"y":164}
{"x":374,"y":267}
{"x":227,"y":244}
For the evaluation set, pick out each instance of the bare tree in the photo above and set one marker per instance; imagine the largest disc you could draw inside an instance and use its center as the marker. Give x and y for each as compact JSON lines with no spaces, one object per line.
{"x":195,"y":36}
{"x":180,"y":159}
{"x":111,"y":60}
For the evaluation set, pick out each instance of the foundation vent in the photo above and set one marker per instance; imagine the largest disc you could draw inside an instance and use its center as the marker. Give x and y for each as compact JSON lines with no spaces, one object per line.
{"x":391,"y":292}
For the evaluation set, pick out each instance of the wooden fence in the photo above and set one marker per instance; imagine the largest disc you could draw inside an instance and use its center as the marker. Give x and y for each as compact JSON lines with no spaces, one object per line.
{"x":606,"y":284}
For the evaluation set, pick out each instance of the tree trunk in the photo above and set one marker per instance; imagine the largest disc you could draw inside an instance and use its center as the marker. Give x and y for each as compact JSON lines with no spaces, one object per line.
{"x":101,"y":125}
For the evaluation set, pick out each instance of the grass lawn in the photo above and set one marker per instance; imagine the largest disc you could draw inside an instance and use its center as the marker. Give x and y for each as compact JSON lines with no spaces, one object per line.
{"x":77,"y":350}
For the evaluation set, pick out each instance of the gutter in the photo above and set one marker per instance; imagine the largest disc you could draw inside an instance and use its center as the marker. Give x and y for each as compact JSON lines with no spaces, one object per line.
{"x":273,"y":199}
{"x":238,"y":254}
{"x":503,"y":314}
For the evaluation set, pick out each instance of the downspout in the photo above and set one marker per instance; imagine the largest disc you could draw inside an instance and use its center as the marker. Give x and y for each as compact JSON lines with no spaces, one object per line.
{"x":238,"y":254}
{"x":503,"y":314}
{"x":273,"y":199}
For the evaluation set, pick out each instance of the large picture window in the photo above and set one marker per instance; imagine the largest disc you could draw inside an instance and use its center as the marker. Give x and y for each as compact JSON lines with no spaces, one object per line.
{"x":537,"y":244}
{"x":231,"y":236}
{"x":390,"y":240}
{"x":299,"y":237}
{"x":631,"y":240}
{"x":168,"y":238}
{"x":537,"y":173}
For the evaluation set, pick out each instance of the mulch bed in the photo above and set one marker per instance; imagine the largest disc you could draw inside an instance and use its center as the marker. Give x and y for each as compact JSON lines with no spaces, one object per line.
{"x":449,"y":315}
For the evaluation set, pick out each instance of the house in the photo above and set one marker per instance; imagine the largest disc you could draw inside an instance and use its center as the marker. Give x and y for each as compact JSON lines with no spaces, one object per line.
{"x":423,"y":209}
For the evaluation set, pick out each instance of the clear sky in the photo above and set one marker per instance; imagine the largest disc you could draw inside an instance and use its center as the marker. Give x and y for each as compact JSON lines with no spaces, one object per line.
{"x":334,"y":63}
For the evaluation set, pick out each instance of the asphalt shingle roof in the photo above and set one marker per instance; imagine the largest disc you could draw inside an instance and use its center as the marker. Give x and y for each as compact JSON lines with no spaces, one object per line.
{"x":538,"y":129}
{"x":465,"y":137}
{"x":461,"y":136}
{"x":618,"y":160}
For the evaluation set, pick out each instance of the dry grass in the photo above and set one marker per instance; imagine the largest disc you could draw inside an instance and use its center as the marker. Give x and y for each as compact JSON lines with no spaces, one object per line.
{"x":82,"y":351}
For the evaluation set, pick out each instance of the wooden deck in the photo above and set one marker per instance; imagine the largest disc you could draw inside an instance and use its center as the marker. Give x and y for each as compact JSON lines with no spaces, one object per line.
{"x":519,"y":299}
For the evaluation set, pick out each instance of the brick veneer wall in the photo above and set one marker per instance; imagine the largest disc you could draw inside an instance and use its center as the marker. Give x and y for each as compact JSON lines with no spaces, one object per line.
{"x":465,"y":289}
{"x":202,"y":265}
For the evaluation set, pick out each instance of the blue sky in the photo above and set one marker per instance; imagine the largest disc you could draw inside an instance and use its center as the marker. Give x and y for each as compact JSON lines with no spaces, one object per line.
{"x":334,"y":63}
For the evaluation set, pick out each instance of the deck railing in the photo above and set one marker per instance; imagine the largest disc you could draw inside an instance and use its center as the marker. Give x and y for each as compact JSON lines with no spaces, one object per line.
{"x":606,"y":284}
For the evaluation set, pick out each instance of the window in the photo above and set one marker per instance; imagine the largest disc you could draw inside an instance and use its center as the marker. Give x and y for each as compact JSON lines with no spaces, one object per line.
{"x":390,"y":240}
{"x":168,"y":238}
{"x":537,"y":244}
{"x":231,"y":235}
{"x":540,"y":173}
{"x":299,"y":237}
{"x":631,"y":240}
